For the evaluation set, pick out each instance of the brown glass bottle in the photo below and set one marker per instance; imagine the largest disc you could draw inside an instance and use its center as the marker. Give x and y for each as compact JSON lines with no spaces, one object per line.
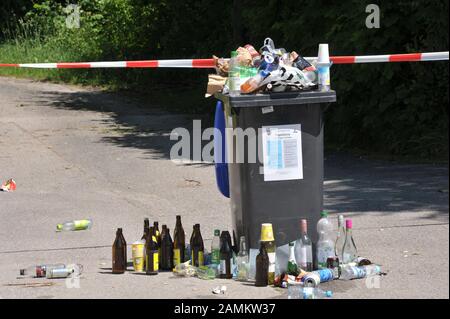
{"x":151,"y":254}
{"x":166,"y":258}
{"x":197,"y":247}
{"x":179,"y":243}
{"x":146,"y":229}
{"x":226,"y":256}
{"x":119,"y":261}
{"x":157,"y":233}
{"x":262,"y":267}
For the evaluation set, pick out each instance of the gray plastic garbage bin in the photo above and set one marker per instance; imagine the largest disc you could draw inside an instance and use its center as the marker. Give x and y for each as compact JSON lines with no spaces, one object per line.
{"x":287,"y":183}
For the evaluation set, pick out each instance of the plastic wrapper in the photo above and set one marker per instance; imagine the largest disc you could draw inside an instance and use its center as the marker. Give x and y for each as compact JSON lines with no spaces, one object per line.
{"x":185,"y":270}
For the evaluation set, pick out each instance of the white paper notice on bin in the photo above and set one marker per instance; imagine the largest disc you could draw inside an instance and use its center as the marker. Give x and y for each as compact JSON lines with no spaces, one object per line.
{"x":282,"y":150}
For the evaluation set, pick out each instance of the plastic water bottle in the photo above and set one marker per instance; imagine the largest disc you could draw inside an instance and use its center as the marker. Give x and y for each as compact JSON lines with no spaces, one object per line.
{"x":234,"y":80}
{"x":324,"y":224}
{"x":297,"y":291}
{"x":356,"y":272}
{"x":325,"y":249}
{"x":74,"y":225}
{"x":39,"y":271}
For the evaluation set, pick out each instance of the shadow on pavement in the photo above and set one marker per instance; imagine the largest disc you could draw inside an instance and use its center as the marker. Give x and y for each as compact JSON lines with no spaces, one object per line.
{"x":352,"y":185}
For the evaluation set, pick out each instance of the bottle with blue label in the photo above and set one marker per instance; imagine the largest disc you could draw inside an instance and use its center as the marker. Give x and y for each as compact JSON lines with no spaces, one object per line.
{"x":349,"y":272}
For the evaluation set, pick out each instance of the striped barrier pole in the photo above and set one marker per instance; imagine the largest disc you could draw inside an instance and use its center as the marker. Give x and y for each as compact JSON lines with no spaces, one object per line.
{"x":210,"y":64}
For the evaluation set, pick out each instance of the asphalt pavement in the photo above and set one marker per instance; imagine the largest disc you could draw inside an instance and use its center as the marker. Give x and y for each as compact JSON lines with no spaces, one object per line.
{"x":83,"y":153}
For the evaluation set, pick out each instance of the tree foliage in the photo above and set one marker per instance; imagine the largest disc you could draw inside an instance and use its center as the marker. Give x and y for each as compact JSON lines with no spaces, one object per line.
{"x":399,"y":109}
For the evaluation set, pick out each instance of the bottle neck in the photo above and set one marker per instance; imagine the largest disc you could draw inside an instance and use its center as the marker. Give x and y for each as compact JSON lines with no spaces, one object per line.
{"x":348,"y":232}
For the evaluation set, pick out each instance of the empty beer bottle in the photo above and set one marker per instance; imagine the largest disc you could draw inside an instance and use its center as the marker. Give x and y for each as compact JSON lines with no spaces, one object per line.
{"x":151,"y":254}
{"x":166,"y":260}
{"x":262,"y":267}
{"x":119,"y":251}
{"x":197,"y":247}
{"x":156,"y":233}
{"x":268,"y":240}
{"x":179,"y":243}
{"x":226,"y":256}
{"x":146,"y":228}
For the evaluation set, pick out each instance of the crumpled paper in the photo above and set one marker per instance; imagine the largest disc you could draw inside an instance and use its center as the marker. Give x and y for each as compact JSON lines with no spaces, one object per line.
{"x":215,"y":84}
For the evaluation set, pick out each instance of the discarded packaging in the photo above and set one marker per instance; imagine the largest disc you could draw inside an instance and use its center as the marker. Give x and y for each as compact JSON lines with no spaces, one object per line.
{"x":9,"y":186}
{"x":185,"y":270}
{"x":219,"y":290}
{"x":215,"y":84}
{"x":138,"y":255}
{"x":297,"y":291}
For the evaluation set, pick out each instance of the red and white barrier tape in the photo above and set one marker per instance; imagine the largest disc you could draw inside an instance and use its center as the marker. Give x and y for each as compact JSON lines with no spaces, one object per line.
{"x":209,"y":63}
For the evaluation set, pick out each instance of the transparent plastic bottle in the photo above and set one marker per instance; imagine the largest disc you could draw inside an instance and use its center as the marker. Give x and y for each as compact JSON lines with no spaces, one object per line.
{"x":65,"y":272}
{"x":74,"y":225}
{"x":234,"y":80}
{"x":325,"y":249}
{"x":349,"y":272}
{"x":324,"y":225}
{"x":297,"y":291}
{"x":242,"y":260}
{"x":39,"y":271}
{"x":349,"y":252}
{"x":340,"y":238}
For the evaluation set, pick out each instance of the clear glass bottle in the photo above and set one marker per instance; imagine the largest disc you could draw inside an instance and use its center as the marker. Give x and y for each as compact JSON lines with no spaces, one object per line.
{"x":340,"y":239}
{"x":215,"y":248}
{"x":349,"y":252}
{"x":243,"y":265}
{"x":303,"y":248}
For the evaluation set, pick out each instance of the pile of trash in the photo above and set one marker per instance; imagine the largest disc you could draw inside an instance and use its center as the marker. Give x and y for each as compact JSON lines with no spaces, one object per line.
{"x":269,"y":70}
{"x":292,"y":267}
{"x":336,"y":252}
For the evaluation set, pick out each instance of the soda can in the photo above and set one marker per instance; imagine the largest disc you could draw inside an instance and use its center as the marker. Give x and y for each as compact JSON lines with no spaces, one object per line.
{"x":137,"y":251}
{"x":311,"y":279}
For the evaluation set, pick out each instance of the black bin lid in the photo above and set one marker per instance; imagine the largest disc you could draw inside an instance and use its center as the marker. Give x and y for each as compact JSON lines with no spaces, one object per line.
{"x":274,"y":99}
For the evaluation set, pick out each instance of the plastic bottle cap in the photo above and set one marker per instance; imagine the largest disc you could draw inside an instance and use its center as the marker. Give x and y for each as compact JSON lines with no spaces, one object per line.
{"x":329,"y":294}
{"x":348,"y":224}
{"x":59,"y":227}
{"x":324,"y":214}
{"x":234,"y":54}
{"x":217,"y":232}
